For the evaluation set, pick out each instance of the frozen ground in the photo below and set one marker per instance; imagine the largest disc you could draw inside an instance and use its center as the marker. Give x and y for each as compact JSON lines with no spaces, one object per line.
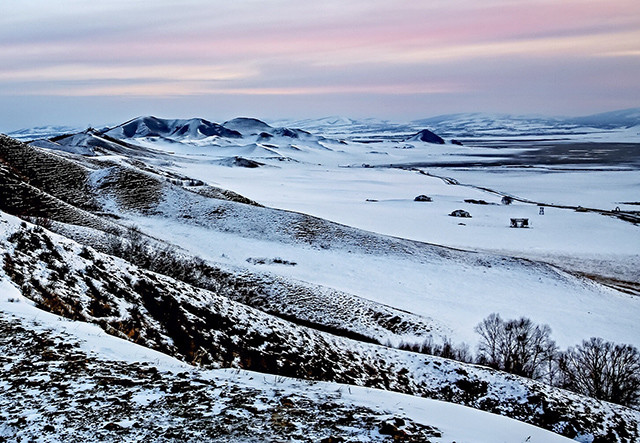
{"x":561,"y":236}
{"x":341,"y":194}
{"x":231,"y":395}
{"x":319,"y":182}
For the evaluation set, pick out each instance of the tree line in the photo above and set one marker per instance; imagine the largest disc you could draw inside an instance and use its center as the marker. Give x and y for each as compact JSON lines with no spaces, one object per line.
{"x":597,"y":368}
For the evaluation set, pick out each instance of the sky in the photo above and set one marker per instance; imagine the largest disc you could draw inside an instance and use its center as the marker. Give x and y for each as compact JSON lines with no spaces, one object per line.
{"x":81,"y":62}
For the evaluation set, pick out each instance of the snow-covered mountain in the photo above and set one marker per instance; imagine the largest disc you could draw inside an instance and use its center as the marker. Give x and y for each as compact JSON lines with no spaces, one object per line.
{"x":609,"y":120}
{"x":42,"y":132}
{"x":254,"y":127}
{"x":426,"y":136}
{"x":156,"y":127}
{"x":336,"y":126}
{"x":476,"y":124}
{"x":248,"y":126}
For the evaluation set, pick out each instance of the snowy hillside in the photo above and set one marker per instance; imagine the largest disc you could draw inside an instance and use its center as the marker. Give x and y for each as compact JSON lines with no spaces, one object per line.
{"x":115,"y":390}
{"x":322,"y":251}
{"x":241,"y":235}
{"x":209,"y":330}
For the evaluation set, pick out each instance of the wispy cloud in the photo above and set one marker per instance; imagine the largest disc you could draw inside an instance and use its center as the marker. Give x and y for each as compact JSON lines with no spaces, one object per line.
{"x":288,"y":48}
{"x":93,"y":72}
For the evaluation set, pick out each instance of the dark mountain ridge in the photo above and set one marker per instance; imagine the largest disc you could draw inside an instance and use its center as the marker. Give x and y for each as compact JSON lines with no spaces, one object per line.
{"x":156,"y":127}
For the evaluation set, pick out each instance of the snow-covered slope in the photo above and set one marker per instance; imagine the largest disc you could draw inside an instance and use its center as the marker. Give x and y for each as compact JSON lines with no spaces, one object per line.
{"x":201,"y":327}
{"x":615,"y":119}
{"x":115,"y":390}
{"x":505,"y":125}
{"x":455,"y":289}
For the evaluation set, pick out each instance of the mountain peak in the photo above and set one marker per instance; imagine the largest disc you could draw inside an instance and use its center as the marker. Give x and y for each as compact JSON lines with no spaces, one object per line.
{"x":427,"y":136}
{"x":247,"y":125}
{"x":151,"y":126}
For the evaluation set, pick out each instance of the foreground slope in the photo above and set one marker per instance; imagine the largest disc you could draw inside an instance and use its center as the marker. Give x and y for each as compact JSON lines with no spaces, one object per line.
{"x":204,"y":328}
{"x":84,"y":385}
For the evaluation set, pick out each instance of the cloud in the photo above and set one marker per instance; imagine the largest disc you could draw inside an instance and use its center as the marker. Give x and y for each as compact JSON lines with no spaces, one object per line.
{"x":91,"y":72}
{"x":491,"y":52}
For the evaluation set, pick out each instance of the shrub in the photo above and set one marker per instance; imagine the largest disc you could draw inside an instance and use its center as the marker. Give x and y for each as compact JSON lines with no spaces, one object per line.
{"x":135,"y":248}
{"x":447,"y":349}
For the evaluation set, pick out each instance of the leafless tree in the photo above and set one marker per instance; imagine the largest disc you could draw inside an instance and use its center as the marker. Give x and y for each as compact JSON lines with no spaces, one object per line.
{"x":603,"y":370}
{"x":516,"y":346}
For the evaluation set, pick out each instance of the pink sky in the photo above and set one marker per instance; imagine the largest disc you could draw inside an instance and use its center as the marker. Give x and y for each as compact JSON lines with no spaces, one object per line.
{"x":68,"y":61}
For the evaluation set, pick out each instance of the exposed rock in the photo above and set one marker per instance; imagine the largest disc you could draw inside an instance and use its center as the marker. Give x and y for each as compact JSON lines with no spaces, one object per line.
{"x":291,"y":133}
{"x":245,"y":162}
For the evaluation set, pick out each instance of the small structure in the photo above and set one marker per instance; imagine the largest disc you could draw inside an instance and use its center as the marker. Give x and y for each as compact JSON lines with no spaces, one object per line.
{"x":506,"y":200}
{"x":460,"y":213}
{"x":541,"y":211}
{"x":422,"y":198}
{"x":519,"y":222}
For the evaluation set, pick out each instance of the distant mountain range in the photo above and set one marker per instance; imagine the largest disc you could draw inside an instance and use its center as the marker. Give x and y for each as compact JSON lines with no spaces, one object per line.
{"x":474,"y":124}
{"x":468,"y":125}
{"x":42,"y":132}
{"x":479,"y":124}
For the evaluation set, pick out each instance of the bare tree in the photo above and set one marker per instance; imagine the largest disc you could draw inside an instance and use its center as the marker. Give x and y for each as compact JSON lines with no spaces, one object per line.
{"x":491,"y":331}
{"x":603,"y":370}
{"x":516,"y":346}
